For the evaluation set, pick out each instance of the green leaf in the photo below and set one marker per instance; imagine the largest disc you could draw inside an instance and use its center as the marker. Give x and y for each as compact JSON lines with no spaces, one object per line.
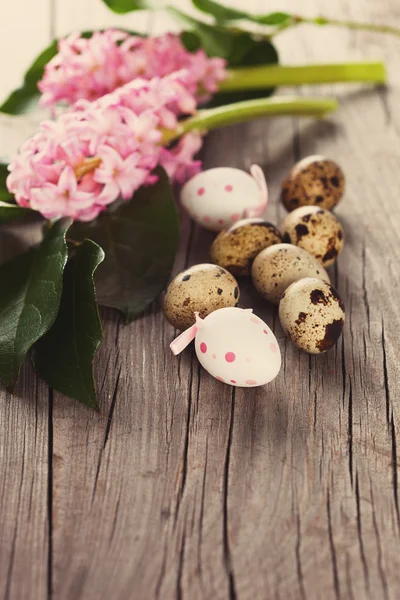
{"x":20,"y":100}
{"x":10,"y":212}
{"x":5,"y":195}
{"x":64,"y":356}
{"x":125,"y":6}
{"x":216,"y":41}
{"x":140,"y":239}
{"x":30,"y":298}
{"x":225,"y":13}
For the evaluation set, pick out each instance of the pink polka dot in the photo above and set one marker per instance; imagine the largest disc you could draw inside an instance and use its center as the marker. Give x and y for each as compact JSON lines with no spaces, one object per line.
{"x":249,"y":359}
{"x":220,"y":379}
{"x":265,"y":331}
{"x":273,"y":347}
{"x":251,"y":382}
{"x":230,"y":357}
{"x":206,"y":219}
{"x":203,"y":347}
{"x":220,"y":221}
{"x":228,"y":188}
{"x":254,"y":320}
{"x":214,"y":356}
{"x":233,"y":381}
{"x":200,"y":191}
{"x":235,"y":217}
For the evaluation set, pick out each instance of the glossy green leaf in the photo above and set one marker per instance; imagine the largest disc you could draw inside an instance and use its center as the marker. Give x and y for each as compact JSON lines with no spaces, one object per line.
{"x":64,"y":356}
{"x":140,"y":239}
{"x":30,"y":298}
{"x":226,"y":13}
{"x":126,"y":6}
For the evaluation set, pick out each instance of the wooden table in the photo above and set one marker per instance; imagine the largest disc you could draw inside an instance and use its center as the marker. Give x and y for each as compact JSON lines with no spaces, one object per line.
{"x":188,"y":489}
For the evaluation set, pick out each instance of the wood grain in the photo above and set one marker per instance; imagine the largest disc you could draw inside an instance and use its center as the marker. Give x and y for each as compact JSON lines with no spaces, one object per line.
{"x":187,"y":489}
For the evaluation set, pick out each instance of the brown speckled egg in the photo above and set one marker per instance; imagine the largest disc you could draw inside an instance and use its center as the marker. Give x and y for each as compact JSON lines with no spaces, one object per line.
{"x":312,"y":314}
{"x":316,"y":230}
{"x":203,"y":289}
{"x":316,"y":181}
{"x":277,"y":267}
{"x":236,"y":248}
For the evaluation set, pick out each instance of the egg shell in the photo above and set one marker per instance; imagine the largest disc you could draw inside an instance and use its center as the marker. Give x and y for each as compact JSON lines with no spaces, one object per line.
{"x":236,"y":248}
{"x":202,"y":288}
{"x":237,"y":347}
{"x":312,"y":314}
{"x":219,"y":197}
{"x":315,"y":180}
{"x":277,"y":267}
{"x":316,"y":230}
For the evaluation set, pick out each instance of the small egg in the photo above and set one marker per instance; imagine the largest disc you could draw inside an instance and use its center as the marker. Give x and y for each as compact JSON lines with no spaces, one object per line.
{"x":277,"y":267}
{"x":237,"y":347}
{"x":236,"y":248}
{"x":219,"y":197}
{"x":316,"y":230}
{"x":316,"y":181}
{"x":312,"y":314}
{"x":202,"y":288}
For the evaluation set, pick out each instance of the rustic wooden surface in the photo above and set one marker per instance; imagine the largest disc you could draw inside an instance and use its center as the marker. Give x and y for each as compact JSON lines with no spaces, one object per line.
{"x":188,"y":489}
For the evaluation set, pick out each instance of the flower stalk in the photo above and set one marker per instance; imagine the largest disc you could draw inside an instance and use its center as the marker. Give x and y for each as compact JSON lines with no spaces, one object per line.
{"x":262,"y":77}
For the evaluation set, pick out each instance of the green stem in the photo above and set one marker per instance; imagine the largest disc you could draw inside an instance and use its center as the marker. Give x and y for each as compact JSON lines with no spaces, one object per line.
{"x":239,"y":112}
{"x":348,"y":24}
{"x":245,"y":78}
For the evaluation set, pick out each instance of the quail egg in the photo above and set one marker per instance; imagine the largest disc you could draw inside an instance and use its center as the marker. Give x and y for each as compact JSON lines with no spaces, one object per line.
{"x":312,"y":314}
{"x":316,"y":230}
{"x":278,"y":266}
{"x":236,"y":248}
{"x":315,"y":180}
{"x":202,"y":288}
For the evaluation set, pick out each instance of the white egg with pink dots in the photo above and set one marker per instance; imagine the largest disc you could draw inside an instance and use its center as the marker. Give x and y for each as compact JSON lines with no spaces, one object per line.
{"x":234,"y":346}
{"x":219,"y":197}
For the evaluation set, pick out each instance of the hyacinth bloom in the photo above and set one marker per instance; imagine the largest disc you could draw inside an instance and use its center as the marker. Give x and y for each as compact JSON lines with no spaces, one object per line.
{"x":88,"y":68}
{"x":105,"y":150}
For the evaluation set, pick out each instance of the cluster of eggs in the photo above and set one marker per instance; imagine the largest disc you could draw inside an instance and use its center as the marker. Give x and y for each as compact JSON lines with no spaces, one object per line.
{"x":286,"y":264}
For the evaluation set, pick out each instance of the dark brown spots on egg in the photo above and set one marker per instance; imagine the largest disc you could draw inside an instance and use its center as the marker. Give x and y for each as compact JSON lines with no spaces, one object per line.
{"x":330,"y":254}
{"x":219,"y":291}
{"x":335,"y":181}
{"x":236,"y":292}
{"x":319,"y":199}
{"x":186,"y":278}
{"x":301,"y":230}
{"x":340,"y":234}
{"x":332,"y":333}
{"x":186,"y":302}
{"x":306,"y":218}
{"x":318,"y":297}
{"x":301,"y":318}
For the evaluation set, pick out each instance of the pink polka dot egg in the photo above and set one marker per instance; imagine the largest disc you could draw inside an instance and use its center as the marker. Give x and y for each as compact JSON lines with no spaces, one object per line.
{"x":219,"y":197}
{"x":234,"y":346}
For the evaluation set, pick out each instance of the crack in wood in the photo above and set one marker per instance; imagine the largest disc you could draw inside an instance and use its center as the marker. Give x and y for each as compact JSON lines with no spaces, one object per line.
{"x":359,"y":533}
{"x":386,"y":377}
{"x":350,"y":431}
{"x":378,"y":543}
{"x":298,"y":560}
{"x":227,"y":551}
{"x":50,"y":523}
{"x":332,"y":548}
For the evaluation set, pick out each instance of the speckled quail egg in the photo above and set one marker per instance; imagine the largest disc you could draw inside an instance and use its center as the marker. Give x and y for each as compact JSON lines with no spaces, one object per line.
{"x":278,"y":266}
{"x":236,"y":248}
{"x":315,"y":180}
{"x":312,"y":314}
{"x":202,"y":288}
{"x":316,"y":230}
